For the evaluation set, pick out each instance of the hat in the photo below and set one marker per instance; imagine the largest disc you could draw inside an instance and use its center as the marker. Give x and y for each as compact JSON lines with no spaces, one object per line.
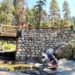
{"x":50,"y":51}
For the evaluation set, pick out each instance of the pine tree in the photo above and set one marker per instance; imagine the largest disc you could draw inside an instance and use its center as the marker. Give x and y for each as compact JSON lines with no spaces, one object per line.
{"x":66,"y":11}
{"x":39,"y":7}
{"x":7,"y":12}
{"x":19,"y":11}
{"x":54,"y":12}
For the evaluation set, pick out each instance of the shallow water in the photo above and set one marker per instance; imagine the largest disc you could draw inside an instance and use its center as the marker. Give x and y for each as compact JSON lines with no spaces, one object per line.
{"x":37,"y":73}
{"x":66,"y":67}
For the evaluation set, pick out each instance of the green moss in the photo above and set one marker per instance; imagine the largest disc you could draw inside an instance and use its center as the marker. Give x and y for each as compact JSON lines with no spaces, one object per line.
{"x":9,"y":47}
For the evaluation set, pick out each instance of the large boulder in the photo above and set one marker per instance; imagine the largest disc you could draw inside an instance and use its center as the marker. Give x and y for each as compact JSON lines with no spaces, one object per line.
{"x":64,"y":51}
{"x":72,"y":43}
{"x":73,"y":50}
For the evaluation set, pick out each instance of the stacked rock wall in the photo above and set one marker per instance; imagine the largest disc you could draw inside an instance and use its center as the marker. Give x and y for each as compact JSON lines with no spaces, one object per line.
{"x":34,"y":41}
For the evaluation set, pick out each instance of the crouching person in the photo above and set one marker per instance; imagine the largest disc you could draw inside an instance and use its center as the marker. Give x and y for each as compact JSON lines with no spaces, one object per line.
{"x":49,"y":59}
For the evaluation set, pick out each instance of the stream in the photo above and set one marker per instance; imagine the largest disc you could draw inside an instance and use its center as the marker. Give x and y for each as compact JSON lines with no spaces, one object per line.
{"x":65,"y":67}
{"x":42,"y":73}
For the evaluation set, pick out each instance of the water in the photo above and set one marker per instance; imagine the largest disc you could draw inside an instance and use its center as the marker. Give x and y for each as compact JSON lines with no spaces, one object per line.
{"x":66,"y":67}
{"x":37,"y":73}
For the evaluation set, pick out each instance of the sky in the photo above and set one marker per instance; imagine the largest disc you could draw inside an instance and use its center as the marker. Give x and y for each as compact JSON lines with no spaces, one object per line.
{"x":31,"y":3}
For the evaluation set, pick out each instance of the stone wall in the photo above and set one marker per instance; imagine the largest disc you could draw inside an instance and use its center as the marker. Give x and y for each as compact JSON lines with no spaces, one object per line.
{"x":33,"y":41}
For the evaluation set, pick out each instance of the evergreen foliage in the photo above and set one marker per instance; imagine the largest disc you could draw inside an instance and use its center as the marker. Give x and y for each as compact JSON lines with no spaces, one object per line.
{"x":55,"y":15}
{"x":6,"y":13}
{"x":39,"y":7}
{"x":67,"y":17}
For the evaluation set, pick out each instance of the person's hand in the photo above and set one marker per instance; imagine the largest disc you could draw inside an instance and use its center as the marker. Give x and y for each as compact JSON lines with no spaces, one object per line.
{"x":49,"y":64}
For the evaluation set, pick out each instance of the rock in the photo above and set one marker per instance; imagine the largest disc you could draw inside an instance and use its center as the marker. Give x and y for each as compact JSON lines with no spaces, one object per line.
{"x":73,"y":53}
{"x":64,"y":51}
